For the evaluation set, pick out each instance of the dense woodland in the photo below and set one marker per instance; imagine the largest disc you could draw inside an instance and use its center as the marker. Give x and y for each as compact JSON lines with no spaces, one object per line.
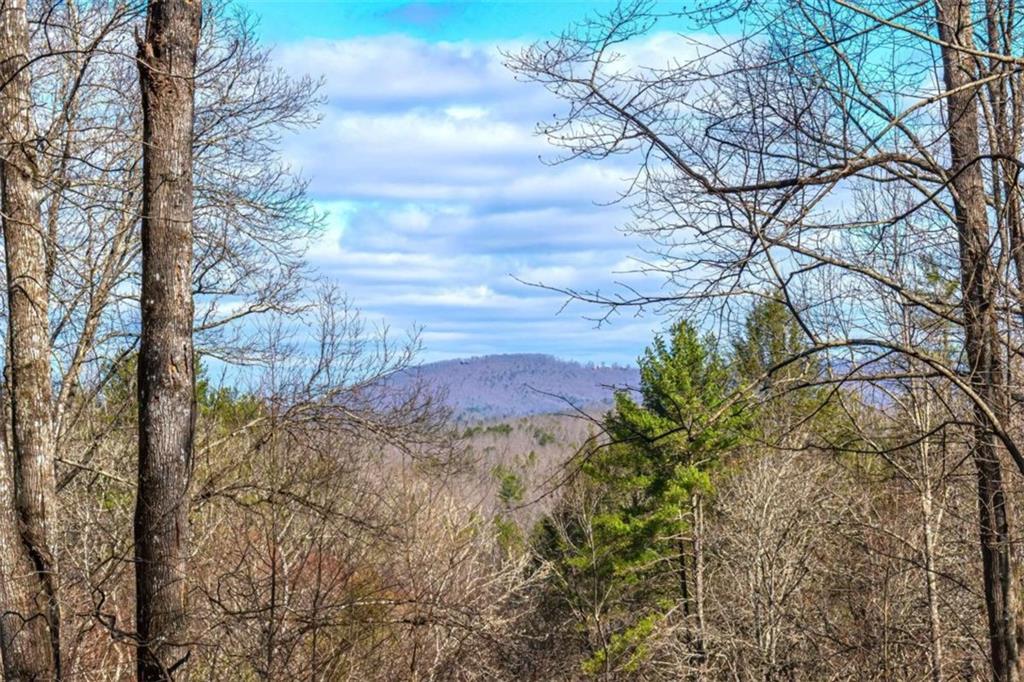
{"x":214,"y":469}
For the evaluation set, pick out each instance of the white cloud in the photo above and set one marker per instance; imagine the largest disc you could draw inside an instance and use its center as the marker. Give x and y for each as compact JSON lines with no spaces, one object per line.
{"x":428,"y":164}
{"x":463,"y":113}
{"x":375,"y":71}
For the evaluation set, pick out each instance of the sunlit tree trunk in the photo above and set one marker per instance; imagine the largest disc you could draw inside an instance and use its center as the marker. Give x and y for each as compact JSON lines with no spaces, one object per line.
{"x":31,"y":621}
{"x":978,"y":287}
{"x":931,"y":583}
{"x":167,"y":59}
{"x":698,"y":575}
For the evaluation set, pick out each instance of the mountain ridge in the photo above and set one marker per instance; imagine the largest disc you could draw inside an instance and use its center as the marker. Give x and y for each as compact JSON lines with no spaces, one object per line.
{"x":520,"y":384}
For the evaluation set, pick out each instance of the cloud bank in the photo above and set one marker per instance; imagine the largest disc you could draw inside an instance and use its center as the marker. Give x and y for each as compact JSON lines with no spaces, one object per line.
{"x":439,"y":199}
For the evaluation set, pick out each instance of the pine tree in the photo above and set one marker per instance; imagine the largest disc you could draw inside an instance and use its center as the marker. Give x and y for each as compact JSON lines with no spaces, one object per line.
{"x":643,"y":544}
{"x":770,"y":357}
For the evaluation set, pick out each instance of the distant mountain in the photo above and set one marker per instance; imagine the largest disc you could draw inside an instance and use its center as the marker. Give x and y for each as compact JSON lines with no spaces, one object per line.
{"x":515,"y":385}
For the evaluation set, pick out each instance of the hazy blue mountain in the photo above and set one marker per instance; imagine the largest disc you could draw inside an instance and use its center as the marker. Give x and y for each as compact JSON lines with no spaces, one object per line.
{"x":497,"y":386}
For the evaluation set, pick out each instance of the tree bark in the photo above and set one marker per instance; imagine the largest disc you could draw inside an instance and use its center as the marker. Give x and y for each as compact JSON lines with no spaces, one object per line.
{"x":167,"y":59}
{"x":698,"y":576}
{"x":684,"y":585}
{"x":931,"y":583}
{"x":981,"y":330}
{"x":31,"y":622}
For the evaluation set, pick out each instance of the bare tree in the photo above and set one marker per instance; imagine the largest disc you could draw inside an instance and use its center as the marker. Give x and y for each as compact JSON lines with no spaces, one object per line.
{"x":980,"y":305}
{"x":166,"y":385}
{"x":763,"y":155}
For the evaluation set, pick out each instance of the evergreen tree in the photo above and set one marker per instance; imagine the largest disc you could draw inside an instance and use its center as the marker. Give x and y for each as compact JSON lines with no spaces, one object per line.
{"x":664,"y":448}
{"x":642,"y":544}
{"x":768,"y":356}
{"x":771,"y":337}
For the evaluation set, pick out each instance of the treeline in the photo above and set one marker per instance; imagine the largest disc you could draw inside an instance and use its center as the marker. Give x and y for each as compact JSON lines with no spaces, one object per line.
{"x":723,"y":522}
{"x":154,"y":525}
{"x":738,"y":517}
{"x":208,"y":470}
{"x":858,"y":163}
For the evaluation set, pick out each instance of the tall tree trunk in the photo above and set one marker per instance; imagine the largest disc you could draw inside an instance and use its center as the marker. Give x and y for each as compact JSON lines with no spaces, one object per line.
{"x":931,"y":582}
{"x":31,"y":622}
{"x":684,"y":585}
{"x":167,"y":59}
{"x":698,"y":576}
{"x":981,"y":330}
{"x":1004,"y":132}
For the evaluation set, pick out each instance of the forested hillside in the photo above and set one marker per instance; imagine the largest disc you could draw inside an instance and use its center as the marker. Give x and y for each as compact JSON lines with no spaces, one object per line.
{"x":516,"y":385}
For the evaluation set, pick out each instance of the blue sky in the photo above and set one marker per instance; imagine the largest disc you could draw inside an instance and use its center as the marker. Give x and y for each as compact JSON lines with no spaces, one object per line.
{"x":431,"y":174}
{"x":433,"y":21}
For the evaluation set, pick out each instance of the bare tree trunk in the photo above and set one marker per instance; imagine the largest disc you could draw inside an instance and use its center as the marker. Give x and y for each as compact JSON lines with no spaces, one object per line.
{"x":684,"y":583}
{"x":31,"y":624}
{"x":981,"y":330}
{"x":931,"y":586}
{"x":167,"y":60}
{"x":25,"y":642}
{"x":1005,"y":106}
{"x":698,"y":575}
